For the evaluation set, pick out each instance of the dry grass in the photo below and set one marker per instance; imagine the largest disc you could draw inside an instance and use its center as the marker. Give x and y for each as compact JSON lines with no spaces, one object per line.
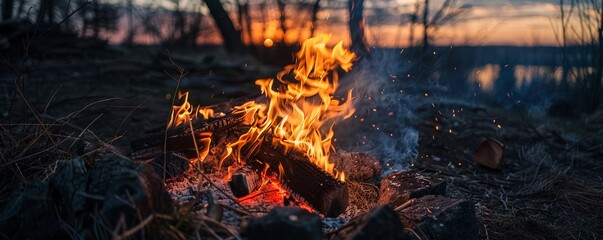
{"x":363,"y":195}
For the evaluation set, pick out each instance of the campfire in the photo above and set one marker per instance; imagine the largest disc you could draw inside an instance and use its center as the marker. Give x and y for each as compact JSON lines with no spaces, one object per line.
{"x":287,"y":134}
{"x":277,"y":150}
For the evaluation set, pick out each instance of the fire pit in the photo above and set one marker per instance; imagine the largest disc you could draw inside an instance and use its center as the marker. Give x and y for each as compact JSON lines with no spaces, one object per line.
{"x":277,"y":150}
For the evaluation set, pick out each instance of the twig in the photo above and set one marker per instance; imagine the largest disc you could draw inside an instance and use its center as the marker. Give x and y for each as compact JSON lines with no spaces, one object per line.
{"x":405,"y":205}
{"x":135,"y":229}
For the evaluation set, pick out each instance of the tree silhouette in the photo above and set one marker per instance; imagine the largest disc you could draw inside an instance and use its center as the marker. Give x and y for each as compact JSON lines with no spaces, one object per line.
{"x":230,"y":35}
{"x":356,"y":25}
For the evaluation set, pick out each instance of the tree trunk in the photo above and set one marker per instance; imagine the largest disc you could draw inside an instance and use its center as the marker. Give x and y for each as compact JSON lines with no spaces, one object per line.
{"x":426,"y":25}
{"x":130,"y":37}
{"x":282,"y":18}
{"x":46,"y":11}
{"x":248,"y":22}
{"x":7,"y":9}
{"x":356,"y":24}
{"x":230,"y":35}
{"x":315,"y":9}
{"x":96,"y":19}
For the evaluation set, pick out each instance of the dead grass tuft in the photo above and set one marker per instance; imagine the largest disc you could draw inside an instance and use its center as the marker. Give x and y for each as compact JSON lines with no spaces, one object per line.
{"x":363,"y":195}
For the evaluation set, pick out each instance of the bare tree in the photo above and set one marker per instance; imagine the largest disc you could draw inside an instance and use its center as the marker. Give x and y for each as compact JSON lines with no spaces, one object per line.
{"x":282,"y":17}
{"x":356,"y":25}
{"x":46,"y":11}
{"x":7,"y":9}
{"x":581,"y":40}
{"x":230,"y":35}
{"x":446,"y":14}
{"x":315,"y":9}
{"x":426,"y":24}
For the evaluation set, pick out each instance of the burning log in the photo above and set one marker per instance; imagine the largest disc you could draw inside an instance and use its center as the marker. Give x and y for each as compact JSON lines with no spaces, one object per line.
{"x":180,"y":138}
{"x":305,"y":180}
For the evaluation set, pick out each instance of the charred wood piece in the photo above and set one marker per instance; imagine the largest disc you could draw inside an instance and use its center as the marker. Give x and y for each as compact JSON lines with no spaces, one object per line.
{"x":285,"y":223}
{"x":440,"y":217}
{"x":305,"y":180}
{"x":380,"y":223}
{"x":398,"y":187}
{"x":247,"y":179}
{"x":179,"y":139}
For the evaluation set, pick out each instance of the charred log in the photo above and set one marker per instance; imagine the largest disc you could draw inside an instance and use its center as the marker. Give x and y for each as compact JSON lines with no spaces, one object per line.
{"x":440,"y":217}
{"x":380,"y":223}
{"x":305,"y":180}
{"x":245,"y":180}
{"x":285,"y":223}
{"x":180,"y":138}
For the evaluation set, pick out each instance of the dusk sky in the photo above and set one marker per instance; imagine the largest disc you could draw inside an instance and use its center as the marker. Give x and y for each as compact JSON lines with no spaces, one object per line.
{"x":488,"y":22}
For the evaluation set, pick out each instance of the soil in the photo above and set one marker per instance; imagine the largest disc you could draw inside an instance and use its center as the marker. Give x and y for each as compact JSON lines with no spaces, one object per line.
{"x":549,"y":186}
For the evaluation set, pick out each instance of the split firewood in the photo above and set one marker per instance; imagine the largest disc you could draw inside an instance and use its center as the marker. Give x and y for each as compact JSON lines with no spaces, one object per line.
{"x":356,"y":166}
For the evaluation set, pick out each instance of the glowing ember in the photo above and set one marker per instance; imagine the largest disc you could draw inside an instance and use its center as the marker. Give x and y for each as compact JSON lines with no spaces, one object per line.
{"x":301,"y":113}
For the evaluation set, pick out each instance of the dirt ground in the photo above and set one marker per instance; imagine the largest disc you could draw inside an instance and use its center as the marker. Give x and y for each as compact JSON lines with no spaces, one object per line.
{"x":549,"y":187}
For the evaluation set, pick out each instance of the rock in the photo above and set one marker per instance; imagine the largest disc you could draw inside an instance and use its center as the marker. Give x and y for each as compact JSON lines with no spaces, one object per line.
{"x":128,"y":189}
{"x":380,"y":223}
{"x":489,"y":153}
{"x":356,"y":166}
{"x":289,"y":223}
{"x":398,"y":187}
{"x":80,"y":197}
{"x":440,"y":217}
{"x":32,"y":215}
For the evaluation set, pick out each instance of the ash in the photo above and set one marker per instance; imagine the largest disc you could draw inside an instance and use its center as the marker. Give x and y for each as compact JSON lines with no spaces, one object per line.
{"x":194,"y":187}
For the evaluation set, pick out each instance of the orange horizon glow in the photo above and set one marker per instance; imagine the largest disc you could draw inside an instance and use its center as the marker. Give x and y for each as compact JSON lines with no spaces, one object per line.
{"x":535,"y":24}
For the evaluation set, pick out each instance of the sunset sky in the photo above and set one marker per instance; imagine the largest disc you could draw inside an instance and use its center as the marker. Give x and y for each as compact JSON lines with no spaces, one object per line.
{"x":484,"y":22}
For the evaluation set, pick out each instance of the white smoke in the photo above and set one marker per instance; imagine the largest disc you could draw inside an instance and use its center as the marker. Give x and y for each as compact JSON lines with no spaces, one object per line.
{"x":381,"y":125}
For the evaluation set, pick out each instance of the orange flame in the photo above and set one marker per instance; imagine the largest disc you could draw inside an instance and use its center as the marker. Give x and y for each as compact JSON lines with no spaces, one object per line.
{"x":301,"y":113}
{"x":183,"y":114}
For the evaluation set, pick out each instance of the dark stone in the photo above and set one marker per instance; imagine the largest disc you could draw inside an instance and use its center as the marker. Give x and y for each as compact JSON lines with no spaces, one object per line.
{"x":380,"y":223}
{"x":400,"y":186}
{"x":79,"y":197}
{"x":490,"y":153}
{"x":32,"y":215}
{"x":289,"y":223}
{"x":128,"y":189}
{"x":440,"y":217}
